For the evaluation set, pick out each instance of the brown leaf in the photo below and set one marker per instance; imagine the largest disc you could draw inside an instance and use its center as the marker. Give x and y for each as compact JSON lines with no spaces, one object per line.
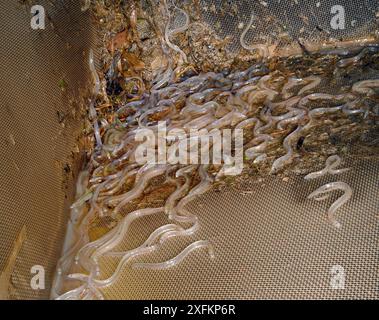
{"x":133,"y":61}
{"x":120,"y":40}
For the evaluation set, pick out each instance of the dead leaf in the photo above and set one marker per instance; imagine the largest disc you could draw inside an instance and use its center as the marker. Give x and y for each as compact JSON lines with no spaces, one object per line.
{"x":5,"y":275}
{"x":120,"y":40}
{"x":133,"y":61}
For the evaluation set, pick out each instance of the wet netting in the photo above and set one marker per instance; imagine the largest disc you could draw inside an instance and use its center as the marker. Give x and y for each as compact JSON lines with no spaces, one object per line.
{"x":42,"y":74}
{"x":289,"y":209}
{"x":298,"y":79}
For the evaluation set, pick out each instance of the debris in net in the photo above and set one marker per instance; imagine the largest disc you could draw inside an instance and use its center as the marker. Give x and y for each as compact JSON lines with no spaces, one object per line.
{"x":86,"y":5}
{"x":8,"y":269}
{"x":289,"y":115}
{"x":12,"y":140}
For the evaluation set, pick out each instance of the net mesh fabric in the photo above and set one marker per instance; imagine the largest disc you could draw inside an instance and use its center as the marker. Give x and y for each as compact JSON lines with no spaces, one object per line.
{"x":40,"y":124}
{"x":285,"y":23}
{"x":270,"y":243}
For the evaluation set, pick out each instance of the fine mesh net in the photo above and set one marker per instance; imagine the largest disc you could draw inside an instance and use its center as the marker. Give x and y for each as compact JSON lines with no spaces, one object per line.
{"x":285,"y":24}
{"x":270,"y":241}
{"x":41,"y":76}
